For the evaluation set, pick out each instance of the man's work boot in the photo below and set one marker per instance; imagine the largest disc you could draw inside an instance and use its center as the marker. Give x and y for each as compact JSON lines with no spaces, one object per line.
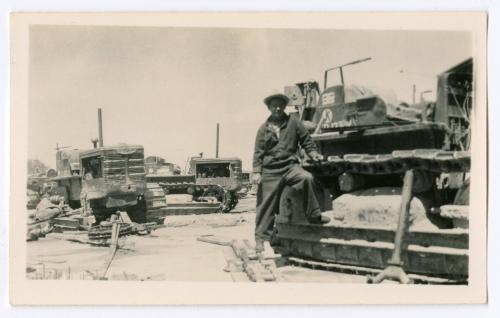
{"x":259,"y":245}
{"x":319,"y":219}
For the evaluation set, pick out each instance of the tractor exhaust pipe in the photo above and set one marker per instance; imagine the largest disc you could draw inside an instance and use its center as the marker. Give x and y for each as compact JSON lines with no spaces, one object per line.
{"x":217,"y":142}
{"x":99,"y":123}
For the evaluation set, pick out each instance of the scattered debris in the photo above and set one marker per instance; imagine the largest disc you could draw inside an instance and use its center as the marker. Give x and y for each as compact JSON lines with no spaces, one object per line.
{"x":60,"y":270}
{"x":41,"y":270}
{"x":43,"y":220}
{"x":81,"y":229}
{"x":33,"y":199}
{"x":242,"y":258}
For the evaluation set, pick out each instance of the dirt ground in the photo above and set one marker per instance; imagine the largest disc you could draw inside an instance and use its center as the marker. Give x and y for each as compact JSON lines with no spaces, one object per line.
{"x":171,"y":253}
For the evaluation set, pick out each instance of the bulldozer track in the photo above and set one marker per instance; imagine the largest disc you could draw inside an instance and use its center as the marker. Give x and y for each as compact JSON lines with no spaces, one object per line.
{"x":177,"y":184}
{"x":437,"y":256}
{"x":100,"y":232}
{"x":399,"y":161}
{"x":436,"y":260}
{"x":365,"y":271}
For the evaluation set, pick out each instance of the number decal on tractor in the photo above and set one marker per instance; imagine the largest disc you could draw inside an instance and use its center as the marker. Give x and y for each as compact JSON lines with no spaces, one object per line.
{"x":328,"y":98}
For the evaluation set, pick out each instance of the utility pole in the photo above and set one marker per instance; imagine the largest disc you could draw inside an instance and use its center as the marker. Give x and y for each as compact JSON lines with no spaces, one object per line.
{"x":414,"y":92}
{"x":99,"y":123}
{"x":217,"y":142}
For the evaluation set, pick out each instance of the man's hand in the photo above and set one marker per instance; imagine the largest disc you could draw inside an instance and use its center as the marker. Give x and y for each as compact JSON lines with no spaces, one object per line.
{"x":256,"y":178}
{"x":315,"y":156}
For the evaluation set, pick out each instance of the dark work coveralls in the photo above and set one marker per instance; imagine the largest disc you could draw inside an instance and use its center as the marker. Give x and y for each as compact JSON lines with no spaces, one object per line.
{"x":276,"y":158}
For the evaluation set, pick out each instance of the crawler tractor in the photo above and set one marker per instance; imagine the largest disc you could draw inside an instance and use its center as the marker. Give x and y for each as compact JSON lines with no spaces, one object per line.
{"x":113,"y":179}
{"x":105,"y":180}
{"x":218,"y":178}
{"x":396,"y":185}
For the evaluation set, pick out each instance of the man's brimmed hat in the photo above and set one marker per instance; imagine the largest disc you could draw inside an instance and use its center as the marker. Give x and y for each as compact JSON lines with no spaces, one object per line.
{"x":278,"y":95}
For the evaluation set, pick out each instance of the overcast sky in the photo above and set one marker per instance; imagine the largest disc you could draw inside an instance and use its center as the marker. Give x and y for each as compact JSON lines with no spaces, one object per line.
{"x":166,"y":88}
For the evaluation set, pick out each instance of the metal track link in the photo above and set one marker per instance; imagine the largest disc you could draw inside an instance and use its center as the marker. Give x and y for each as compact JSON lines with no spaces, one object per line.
{"x":100,"y":232}
{"x":399,"y":161}
{"x":366,"y":271}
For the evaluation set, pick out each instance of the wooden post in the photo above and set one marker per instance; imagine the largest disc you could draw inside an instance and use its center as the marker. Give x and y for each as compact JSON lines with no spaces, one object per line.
{"x":404,"y":214}
{"x":394,"y":270}
{"x":115,"y":234}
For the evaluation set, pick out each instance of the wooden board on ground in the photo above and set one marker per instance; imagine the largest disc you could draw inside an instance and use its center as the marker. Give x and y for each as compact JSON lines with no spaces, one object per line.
{"x":77,"y":236}
{"x":192,"y":208}
{"x":242,"y":258}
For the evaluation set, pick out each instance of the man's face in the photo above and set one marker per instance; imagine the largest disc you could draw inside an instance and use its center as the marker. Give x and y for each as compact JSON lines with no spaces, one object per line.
{"x":277,"y":107}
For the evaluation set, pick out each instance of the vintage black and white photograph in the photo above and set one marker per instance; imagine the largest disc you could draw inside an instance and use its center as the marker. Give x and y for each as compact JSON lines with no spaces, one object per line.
{"x":258,"y":155}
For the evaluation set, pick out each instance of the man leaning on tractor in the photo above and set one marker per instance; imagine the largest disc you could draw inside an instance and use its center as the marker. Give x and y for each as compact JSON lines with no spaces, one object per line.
{"x":276,"y":164}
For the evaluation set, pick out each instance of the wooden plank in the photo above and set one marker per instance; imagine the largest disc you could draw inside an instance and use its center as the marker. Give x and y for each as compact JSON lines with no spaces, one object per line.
{"x":66,"y":222}
{"x":79,"y":237}
{"x":234,"y":266}
{"x":212,"y":239}
{"x":124,"y":216}
{"x":155,"y":204}
{"x":190,"y":210}
{"x":155,"y":194}
{"x":115,"y":233}
{"x":193,"y":204}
